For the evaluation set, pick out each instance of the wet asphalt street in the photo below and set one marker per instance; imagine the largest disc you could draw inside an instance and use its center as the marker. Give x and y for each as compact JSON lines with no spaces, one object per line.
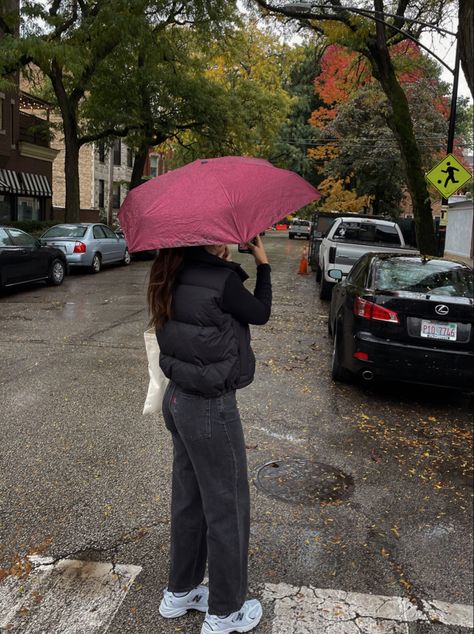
{"x":356,"y":488}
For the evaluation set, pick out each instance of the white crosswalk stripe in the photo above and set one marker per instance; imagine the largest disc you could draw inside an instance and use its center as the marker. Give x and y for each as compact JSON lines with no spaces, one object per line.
{"x":66,"y":597}
{"x":308,"y":610}
{"x":75,"y":597}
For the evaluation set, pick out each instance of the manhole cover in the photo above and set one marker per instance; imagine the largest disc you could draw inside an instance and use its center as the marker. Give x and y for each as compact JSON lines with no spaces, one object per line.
{"x":304,"y":481}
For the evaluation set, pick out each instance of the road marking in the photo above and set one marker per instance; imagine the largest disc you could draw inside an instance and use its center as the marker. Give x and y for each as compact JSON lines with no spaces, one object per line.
{"x":66,"y":597}
{"x":280,"y":436}
{"x":307,"y":610}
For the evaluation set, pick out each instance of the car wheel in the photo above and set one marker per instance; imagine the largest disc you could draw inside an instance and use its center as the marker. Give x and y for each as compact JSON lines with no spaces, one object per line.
{"x":126,"y":258}
{"x":338,"y":373}
{"x":325,"y":289}
{"x":291,"y":237}
{"x":56,"y":273}
{"x":96,"y":264}
{"x":318,"y":274}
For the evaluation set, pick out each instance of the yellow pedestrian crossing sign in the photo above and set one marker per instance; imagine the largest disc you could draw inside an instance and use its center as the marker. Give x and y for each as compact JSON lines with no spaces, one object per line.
{"x":448,"y":176}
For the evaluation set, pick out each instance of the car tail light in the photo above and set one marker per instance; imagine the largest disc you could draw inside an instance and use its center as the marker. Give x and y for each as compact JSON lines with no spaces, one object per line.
{"x":79,"y":247}
{"x":369,"y":310}
{"x":362,"y":356}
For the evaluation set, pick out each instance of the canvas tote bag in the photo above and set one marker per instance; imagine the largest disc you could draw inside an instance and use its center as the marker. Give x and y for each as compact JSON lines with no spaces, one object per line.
{"x":158,"y":381}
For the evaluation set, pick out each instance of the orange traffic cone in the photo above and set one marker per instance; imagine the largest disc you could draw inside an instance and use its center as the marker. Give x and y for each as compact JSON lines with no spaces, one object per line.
{"x":303,"y":270}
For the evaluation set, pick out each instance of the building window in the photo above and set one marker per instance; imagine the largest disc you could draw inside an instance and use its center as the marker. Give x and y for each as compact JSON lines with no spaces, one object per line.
{"x":29,"y":208}
{"x":101,"y":193}
{"x":2,"y":111}
{"x":12,"y":122}
{"x":5,"y":207}
{"x":101,"y":148}
{"x":116,"y":195}
{"x":117,"y":152}
{"x":154,"y":165}
{"x":129,"y":157}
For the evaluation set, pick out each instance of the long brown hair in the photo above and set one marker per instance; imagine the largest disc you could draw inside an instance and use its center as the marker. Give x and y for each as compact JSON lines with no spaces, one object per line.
{"x":163,"y":274}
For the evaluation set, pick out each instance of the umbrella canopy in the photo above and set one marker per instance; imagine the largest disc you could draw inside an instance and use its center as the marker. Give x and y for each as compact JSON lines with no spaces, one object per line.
{"x":225,"y":200}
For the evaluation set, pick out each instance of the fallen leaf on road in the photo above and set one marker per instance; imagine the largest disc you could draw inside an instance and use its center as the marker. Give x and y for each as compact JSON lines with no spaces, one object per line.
{"x":375,"y":457}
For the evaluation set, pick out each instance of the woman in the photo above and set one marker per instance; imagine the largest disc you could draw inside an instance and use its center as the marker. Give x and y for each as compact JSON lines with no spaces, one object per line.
{"x":202,"y":311}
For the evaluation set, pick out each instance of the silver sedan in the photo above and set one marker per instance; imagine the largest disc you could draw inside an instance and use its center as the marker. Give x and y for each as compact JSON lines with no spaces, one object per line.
{"x":88,"y":244}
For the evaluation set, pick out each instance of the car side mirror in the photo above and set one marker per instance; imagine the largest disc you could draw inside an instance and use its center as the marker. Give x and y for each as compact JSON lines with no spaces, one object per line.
{"x":39,"y":243}
{"x":336,"y":274}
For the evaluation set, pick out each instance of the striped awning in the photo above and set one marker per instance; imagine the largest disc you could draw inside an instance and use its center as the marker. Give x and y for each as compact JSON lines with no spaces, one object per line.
{"x":9,"y":182}
{"x":36,"y":184}
{"x":24,"y":184}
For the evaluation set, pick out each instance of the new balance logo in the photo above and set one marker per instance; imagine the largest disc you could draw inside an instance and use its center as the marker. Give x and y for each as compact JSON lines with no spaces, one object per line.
{"x":197,"y":598}
{"x":239,"y":616}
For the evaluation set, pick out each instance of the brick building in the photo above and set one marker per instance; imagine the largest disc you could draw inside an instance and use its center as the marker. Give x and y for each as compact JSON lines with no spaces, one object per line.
{"x":104,"y":176}
{"x":26,"y":157}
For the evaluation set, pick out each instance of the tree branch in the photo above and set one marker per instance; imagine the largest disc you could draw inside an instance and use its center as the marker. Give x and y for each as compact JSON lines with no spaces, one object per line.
{"x":104,"y":134}
{"x":64,"y":26}
{"x":53,"y":11}
{"x":399,"y":21}
{"x":339,"y":16}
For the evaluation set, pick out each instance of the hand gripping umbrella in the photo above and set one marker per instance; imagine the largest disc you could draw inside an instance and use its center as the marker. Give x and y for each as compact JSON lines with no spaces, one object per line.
{"x":225,"y":200}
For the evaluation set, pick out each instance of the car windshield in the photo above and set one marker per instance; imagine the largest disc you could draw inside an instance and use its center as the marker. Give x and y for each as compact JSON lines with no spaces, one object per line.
{"x":300,"y":223}
{"x":64,"y":231}
{"x":431,"y":277}
{"x":367,"y":232}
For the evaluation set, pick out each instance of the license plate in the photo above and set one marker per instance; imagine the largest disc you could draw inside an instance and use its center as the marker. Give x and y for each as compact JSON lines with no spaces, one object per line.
{"x":438,"y":330}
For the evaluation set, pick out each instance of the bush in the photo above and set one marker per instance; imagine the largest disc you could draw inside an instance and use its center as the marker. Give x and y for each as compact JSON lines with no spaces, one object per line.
{"x":35,"y":227}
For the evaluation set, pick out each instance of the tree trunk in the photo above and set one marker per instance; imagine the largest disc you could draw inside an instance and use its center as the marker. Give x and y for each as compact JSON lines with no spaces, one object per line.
{"x":401,"y":124}
{"x":139,"y":165}
{"x":68,"y":109}
{"x":466,"y":40}
{"x":71,"y":173}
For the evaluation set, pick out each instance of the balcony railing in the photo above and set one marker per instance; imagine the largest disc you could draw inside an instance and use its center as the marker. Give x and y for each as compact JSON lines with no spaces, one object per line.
{"x":34,"y":130}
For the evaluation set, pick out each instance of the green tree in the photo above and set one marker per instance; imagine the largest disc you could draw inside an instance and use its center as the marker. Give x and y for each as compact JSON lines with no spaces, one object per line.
{"x":72,"y":43}
{"x":360,"y":32}
{"x":297,"y":136}
{"x":164,"y":92}
{"x":249,"y":70}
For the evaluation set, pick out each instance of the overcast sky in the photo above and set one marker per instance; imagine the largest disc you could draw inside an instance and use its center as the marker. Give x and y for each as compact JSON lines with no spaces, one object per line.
{"x":445,"y":48}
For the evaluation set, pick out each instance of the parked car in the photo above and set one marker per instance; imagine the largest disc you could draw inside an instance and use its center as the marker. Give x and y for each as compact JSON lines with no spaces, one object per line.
{"x":404,"y":317}
{"x":348,"y":239}
{"x":299,"y":229}
{"x":321,"y":222}
{"x":148,"y":254}
{"x":88,"y":244}
{"x":24,"y":259}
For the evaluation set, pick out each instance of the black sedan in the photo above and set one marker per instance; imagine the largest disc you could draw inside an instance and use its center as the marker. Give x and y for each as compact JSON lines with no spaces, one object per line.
{"x":406,"y":318}
{"x":25,"y":259}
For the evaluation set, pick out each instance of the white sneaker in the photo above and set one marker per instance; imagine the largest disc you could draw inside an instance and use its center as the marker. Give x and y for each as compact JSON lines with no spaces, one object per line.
{"x":243,"y":620}
{"x":172,"y":606}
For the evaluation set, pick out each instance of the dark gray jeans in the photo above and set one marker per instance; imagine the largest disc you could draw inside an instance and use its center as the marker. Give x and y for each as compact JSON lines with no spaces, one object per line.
{"x":210,"y":505}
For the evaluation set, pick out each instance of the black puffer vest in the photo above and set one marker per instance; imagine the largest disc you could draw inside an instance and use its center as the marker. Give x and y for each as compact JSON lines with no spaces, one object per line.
{"x":203,"y":349}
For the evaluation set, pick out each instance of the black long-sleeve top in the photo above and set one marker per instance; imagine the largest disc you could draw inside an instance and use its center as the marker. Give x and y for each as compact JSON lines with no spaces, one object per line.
{"x":249,"y":308}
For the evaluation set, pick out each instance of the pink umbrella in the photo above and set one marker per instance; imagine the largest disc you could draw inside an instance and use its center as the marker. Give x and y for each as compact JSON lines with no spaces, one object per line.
{"x":225,"y":200}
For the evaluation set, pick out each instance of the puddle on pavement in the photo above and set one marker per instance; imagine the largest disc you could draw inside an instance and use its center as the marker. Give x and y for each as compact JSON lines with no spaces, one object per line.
{"x":302,"y":481}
